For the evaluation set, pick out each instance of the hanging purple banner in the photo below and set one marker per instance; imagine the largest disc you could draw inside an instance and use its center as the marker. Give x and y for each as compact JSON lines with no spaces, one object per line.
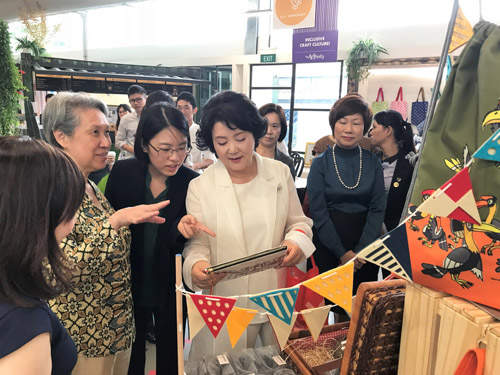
{"x":319,"y":43}
{"x":315,"y":46}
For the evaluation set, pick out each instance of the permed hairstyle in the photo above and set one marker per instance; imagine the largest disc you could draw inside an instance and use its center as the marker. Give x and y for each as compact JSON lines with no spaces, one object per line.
{"x":351,"y":104}
{"x":62,"y":113}
{"x":136,"y":89}
{"x":402,"y":130}
{"x":234,"y":110}
{"x":156,"y":118}
{"x":188,"y":97}
{"x":41,"y":188}
{"x":274,"y":108}
{"x":157,"y":97}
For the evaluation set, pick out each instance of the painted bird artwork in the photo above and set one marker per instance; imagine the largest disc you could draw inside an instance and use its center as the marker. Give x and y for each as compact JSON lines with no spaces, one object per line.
{"x":462,"y":259}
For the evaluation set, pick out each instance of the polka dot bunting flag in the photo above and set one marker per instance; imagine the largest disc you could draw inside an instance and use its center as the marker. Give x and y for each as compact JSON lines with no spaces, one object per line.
{"x":214,"y":310}
{"x":335,"y":285}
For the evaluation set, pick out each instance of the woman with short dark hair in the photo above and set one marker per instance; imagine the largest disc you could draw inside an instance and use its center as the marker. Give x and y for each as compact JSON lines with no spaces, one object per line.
{"x":251,"y":204}
{"x":40,"y":193}
{"x":346,"y":192}
{"x":276,"y":132}
{"x":155,"y":174}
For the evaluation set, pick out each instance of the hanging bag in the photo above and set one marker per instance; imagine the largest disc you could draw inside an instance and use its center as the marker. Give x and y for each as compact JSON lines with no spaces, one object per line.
{"x":306,"y":299}
{"x":378,"y":106}
{"x":419,"y":111}
{"x":399,"y":104}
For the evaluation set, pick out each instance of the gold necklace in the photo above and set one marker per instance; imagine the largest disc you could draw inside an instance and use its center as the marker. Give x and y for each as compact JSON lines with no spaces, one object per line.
{"x":337,"y":169}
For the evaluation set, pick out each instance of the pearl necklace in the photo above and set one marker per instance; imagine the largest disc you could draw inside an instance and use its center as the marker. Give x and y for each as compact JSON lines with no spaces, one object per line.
{"x":337,"y":169}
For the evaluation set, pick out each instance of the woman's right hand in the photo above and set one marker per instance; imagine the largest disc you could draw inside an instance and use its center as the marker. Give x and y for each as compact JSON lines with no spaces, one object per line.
{"x":358,"y":262}
{"x":144,"y":213}
{"x":201,"y":279}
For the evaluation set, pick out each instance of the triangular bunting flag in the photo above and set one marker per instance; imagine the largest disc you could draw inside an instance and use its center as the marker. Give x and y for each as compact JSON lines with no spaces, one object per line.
{"x":391,"y":252}
{"x":281,"y":329}
{"x":237,"y":321}
{"x":454,"y":200}
{"x":279,"y":302}
{"x":462,"y":32}
{"x":315,"y":318}
{"x":335,"y":285}
{"x":214,"y":310}
{"x":490,"y":150}
{"x":194,"y":318}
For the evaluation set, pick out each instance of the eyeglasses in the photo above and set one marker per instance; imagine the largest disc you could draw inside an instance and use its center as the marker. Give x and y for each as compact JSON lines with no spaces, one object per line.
{"x":136,"y":100}
{"x":165,"y":153}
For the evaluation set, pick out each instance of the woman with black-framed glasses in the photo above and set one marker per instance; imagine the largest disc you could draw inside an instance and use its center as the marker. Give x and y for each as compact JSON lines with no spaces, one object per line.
{"x":155,"y":174}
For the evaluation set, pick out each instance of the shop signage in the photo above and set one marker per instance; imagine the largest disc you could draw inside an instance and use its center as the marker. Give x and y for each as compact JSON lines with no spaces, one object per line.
{"x":315,"y":46}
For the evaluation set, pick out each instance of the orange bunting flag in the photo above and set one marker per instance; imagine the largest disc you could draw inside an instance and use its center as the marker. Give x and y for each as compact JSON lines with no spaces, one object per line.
{"x":194,"y":317}
{"x":281,"y":329}
{"x":315,"y":318}
{"x":462,"y":32}
{"x":237,"y":321}
{"x":454,"y":200}
{"x":214,"y":310}
{"x":335,"y":285}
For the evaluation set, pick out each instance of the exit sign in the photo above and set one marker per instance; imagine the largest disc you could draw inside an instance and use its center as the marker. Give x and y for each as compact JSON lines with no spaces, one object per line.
{"x":268,"y":58}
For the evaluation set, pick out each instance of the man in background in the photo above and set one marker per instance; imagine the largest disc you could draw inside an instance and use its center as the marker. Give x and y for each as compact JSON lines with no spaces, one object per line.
{"x":125,"y":137}
{"x":197,"y":160}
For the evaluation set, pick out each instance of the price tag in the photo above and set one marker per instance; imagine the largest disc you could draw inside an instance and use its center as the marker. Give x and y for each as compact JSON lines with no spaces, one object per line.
{"x":223,"y":359}
{"x":280,"y":361}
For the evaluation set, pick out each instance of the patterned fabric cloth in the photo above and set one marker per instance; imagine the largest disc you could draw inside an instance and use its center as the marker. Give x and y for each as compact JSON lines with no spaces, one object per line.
{"x":98,"y":311}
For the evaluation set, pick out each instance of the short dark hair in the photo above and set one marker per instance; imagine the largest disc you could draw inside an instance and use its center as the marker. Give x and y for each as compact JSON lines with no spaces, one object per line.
{"x":156,"y":118}
{"x":136,"y":89}
{"x":351,"y":104}
{"x":157,"y":97}
{"x":41,"y":188}
{"x":274,"y":108}
{"x":403,"y":133}
{"x":188,"y":97}
{"x":233,"y":109}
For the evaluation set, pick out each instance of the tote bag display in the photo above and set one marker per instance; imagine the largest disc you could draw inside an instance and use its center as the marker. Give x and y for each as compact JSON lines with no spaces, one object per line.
{"x":419,"y":111}
{"x":377,"y":105}
{"x":399,"y":104}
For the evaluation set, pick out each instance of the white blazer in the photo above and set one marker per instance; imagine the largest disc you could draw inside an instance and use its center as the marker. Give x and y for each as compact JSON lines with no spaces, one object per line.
{"x":211,"y":198}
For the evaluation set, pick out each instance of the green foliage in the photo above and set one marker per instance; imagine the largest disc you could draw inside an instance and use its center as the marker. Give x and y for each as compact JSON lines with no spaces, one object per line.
{"x":10,"y":84}
{"x":32,"y":45}
{"x":362,"y":54}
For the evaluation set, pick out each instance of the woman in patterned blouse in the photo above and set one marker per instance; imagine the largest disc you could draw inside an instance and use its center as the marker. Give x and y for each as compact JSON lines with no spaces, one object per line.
{"x":98,"y":311}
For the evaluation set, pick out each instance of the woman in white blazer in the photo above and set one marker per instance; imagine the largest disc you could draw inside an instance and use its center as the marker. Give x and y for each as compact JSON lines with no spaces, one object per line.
{"x":251,"y":204}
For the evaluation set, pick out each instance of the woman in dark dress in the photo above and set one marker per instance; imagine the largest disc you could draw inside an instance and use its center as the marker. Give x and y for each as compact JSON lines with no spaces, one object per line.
{"x":155,"y":175}
{"x":40,"y":193}
{"x":394,"y":136}
{"x":346,"y":192}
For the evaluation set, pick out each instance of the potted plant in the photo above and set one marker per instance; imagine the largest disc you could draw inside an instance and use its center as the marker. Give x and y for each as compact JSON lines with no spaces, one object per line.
{"x":27,"y":45}
{"x":10,"y":85}
{"x":360,"y":57}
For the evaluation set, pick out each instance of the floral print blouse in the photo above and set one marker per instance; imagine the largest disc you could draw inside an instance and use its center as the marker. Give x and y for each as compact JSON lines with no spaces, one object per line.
{"x":98,"y":311}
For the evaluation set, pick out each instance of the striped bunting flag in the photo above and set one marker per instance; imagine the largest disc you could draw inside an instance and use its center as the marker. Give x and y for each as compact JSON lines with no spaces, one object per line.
{"x":280,"y":303}
{"x":391,"y":252}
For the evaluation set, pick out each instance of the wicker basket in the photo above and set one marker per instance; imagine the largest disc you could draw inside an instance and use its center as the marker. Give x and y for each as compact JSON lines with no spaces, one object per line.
{"x":330,"y":338}
{"x":375,"y":332}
